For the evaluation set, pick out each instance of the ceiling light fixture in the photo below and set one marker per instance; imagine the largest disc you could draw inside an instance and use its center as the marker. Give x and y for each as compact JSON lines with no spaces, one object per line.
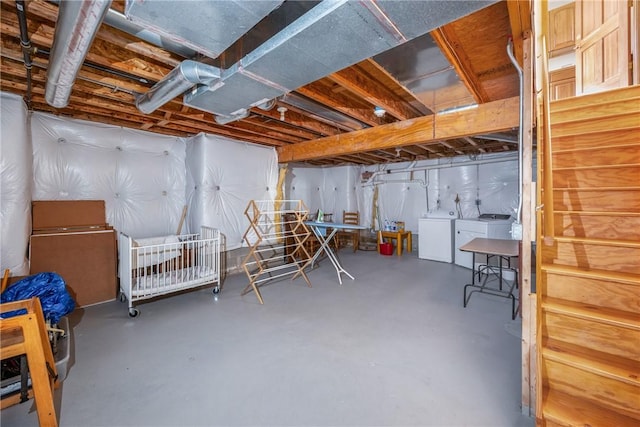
{"x":379,"y":111}
{"x":282,"y":110}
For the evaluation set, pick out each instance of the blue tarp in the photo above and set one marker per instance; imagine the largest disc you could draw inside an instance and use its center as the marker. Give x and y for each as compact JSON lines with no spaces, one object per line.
{"x":49,"y":287}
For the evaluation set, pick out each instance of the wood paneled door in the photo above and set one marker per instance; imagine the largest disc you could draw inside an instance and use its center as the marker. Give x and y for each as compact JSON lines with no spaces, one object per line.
{"x":603,"y":55}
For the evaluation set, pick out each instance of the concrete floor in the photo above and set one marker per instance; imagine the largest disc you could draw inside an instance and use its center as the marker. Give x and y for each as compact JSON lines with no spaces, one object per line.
{"x":394,"y":347}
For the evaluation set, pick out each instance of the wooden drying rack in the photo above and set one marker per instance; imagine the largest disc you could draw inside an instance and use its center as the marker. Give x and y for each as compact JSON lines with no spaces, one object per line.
{"x":275,"y":237}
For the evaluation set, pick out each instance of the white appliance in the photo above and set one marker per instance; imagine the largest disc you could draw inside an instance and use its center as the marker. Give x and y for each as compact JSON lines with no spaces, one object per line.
{"x":435,"y":236}
{"x":491,"y":226}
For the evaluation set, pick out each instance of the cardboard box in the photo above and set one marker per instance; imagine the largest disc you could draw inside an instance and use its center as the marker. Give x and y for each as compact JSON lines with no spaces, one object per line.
{"x":67,"y":215}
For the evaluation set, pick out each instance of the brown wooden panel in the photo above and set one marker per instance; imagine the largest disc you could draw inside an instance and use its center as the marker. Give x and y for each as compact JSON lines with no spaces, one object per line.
{"x":606,"y":138}
{"x":602,"y":155}
{"x":622,"y":121}
{"x":562,"y":28}
{"x":562,"y":410}
{"x":616,"y":395}
{"x":598,"y":177}
{"x":604,"y":293}
{"x":592,"y":335}
{"x":609,"y":110}
{"x":602,"y":45}
{"x":86,"y":262}
{"x":596,"y":200}
{"x":53,"y":214}
{"x":581,"y":103}
{"x":486,"y":118}
{"x":598,"y":226}
{"x":590,"y":256}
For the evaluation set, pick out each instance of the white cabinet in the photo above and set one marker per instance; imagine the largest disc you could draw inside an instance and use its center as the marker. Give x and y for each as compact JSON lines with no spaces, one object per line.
{"x":435,"y":239}
{"x":469,"y":229}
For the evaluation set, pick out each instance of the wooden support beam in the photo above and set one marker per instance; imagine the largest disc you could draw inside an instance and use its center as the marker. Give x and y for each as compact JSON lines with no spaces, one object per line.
{"x":491,"y":117}
{"x":450,"y":47}
{"x":470,"y":140}
{"x":520,"y":21}
{"x":358,"y":83}
{"x":340,"y":103}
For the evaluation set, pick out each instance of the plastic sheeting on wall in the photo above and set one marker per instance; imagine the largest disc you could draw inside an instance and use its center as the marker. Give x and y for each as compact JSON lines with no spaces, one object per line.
{"x":15,"y":185}
{"x":139,"y":175}
{"x":223,"y":176}
{"x":331,"y":190}
{"x":408,"y":191}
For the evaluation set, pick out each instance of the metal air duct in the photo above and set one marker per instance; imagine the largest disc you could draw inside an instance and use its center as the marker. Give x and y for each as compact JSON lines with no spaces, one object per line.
{"x":331,"y":36}
{"x":77,"y":25}
{"x":208,"y":27}
{"x":223,"y":120}
{"x":179,"y":80}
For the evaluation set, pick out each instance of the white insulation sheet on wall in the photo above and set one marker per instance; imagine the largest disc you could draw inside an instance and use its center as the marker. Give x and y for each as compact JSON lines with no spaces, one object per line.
{"x":332,"y":190}
{"x":139,"y":175}
{"x":408,"y":191}
{"x":223,"y":176}
{"x":15,"y":185}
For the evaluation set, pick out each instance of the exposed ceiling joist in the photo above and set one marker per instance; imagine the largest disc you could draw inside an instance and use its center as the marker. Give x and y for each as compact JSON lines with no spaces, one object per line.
{"x":486,"y":118}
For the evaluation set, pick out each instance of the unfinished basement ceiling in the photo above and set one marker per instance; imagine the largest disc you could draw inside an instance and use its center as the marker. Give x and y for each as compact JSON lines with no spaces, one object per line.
{"x":283,"y":73}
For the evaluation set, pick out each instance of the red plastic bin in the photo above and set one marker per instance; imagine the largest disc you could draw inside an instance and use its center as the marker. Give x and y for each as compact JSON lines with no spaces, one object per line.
{"x":386,"y":248}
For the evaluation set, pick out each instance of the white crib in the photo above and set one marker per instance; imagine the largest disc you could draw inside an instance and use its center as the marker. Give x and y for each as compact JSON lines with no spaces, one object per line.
{"x":158,"y":266}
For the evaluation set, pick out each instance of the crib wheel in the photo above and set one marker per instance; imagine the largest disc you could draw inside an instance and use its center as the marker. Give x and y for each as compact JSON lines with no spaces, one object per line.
{"x":122,"y":297}
{"x":133,"y":312}
{"x":216,"y":290}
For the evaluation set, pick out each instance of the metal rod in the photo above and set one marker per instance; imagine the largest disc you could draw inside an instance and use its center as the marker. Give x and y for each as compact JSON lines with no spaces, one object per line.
{"x":520,"y":145}
{"x":25,"y":43}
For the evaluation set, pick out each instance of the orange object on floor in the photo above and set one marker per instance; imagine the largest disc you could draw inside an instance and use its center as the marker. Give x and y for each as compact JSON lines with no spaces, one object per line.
{"x":399,"y":236}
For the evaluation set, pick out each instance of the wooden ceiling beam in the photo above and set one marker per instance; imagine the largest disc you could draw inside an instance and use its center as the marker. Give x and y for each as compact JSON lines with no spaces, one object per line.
{"x":284,"y":128}
{"x":520,"y":14}
{"x":494,"y":116}
{"x":339,"y":102}
{"x":470,"y":140}
{"x":451,"y":48}
{"x":372,"y":67}
{"x":356,"y":81}
{"x":294,"y":118}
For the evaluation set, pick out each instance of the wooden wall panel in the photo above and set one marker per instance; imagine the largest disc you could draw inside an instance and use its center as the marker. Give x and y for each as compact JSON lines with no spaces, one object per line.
{"x":620,"y":296}
{"x":597,"y":200}
{"x":598,"y":226}
{"x":605,"y":138}
{"x":596,"y":388}
{"x":593,"y":256}
{"x":593,"y":335}
{"x":602,"y":154}
{"x":598,"y":177}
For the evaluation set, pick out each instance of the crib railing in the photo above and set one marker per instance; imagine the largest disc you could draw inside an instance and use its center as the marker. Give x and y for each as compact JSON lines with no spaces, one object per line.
{"x":168,"y":264}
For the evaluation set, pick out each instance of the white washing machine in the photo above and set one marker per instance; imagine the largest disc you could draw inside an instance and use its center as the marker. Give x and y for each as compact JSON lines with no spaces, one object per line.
{"x":490,"y":226}
{"x":435,"y":236}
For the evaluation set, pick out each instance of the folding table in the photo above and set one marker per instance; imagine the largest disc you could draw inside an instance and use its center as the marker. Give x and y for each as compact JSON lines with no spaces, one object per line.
{"x":504,"y":249}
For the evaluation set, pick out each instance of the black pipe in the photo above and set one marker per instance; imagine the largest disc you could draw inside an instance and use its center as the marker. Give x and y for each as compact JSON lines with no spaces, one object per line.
{"x":25,"y":43}
{"x":106,"y":70}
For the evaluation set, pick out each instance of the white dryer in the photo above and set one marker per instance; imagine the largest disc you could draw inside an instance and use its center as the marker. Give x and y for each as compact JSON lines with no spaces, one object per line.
{"x":491,"y":226}
{"x":435,"y":236}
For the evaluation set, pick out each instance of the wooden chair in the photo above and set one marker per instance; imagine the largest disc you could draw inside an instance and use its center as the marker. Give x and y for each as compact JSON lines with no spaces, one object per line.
{"x":349,"y":235}
{"x":27,"y":334}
